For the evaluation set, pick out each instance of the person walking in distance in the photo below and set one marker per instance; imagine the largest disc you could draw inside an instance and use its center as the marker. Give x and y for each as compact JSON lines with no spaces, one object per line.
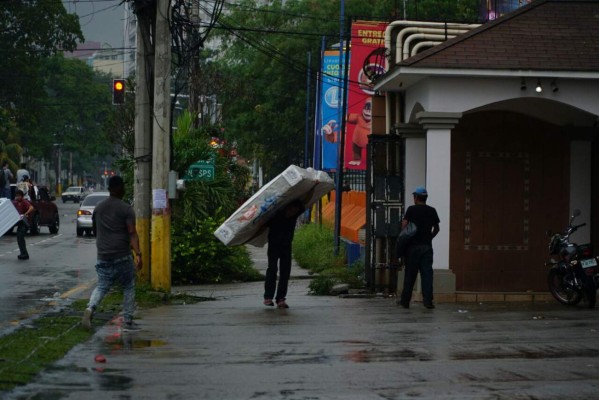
{"x":419,"y":253}
{"x":280,"y":238}
{"x":5,"y":179}
{"x":24,"y":208}
{"x":116,"y":236}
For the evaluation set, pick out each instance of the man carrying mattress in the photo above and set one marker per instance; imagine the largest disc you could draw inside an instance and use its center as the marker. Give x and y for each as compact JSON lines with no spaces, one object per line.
{"x":280,"y":237}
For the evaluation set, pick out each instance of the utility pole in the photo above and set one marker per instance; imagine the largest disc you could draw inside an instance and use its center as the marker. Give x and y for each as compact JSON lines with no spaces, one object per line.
{"x":195,"y":105}
{"x":161,"y":218}
{"x":142,"y":187}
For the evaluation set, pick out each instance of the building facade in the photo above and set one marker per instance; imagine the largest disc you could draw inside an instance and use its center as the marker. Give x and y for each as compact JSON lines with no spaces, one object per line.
{"x":501,"y":124}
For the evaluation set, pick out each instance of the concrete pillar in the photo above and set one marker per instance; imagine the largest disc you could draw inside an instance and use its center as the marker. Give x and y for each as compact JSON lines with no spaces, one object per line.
{"x":438,"y":126}
{"x":580,"y":187}
{"x":415,"y":159}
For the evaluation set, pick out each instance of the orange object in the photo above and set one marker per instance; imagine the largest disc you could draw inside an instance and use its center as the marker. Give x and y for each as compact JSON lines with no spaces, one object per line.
{"x":353,"y":214}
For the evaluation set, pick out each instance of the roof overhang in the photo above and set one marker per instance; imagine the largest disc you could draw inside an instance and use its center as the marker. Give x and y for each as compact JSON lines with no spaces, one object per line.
{"x":403,"y":77}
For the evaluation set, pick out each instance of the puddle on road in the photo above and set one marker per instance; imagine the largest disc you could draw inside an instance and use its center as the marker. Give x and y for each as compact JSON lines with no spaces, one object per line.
{"x":114,"y":382}
{"x":119,"y":342}
{"x":373,"y":355}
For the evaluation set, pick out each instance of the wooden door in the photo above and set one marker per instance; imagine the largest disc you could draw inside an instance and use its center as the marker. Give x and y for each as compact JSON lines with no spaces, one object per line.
{"x":510,"y":184}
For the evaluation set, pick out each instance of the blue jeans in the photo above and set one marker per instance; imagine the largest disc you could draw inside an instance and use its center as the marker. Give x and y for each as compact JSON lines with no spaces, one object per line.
{"x":419,"y":258}
{"x":122,"y":271}
{"x":5,"y":192}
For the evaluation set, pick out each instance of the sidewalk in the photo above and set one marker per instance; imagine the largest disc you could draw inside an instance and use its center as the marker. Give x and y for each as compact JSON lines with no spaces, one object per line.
{"x":331,"y":348}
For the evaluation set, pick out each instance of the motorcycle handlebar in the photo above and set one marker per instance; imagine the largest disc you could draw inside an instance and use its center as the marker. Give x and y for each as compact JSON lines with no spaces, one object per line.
{"x":580,"y":226}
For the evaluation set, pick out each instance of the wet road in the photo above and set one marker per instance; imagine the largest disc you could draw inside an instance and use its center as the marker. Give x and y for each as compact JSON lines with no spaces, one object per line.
{"x":61,"y":265}
{"x":332,"y":348}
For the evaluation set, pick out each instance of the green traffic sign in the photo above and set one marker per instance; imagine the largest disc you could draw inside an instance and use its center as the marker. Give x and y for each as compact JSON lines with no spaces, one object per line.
{"x":200,"y":170}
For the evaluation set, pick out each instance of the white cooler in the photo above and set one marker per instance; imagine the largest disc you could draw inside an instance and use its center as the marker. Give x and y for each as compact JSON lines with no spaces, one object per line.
{"x":8,"y":215}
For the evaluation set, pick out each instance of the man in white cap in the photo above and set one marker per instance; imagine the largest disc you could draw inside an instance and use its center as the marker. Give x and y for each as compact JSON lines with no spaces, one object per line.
{"x":419,"y":254}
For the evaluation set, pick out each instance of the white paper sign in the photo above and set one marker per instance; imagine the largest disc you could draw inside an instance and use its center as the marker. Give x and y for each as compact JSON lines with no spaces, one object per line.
{"x":159,"y":199}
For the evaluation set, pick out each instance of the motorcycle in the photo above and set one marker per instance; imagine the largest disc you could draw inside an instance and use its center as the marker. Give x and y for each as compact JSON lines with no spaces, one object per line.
{"x":576,"y":273}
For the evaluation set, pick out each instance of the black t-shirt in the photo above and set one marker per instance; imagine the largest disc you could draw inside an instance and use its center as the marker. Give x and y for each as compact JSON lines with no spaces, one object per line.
{"x":425,"y":217}
{"x":282,"y":227}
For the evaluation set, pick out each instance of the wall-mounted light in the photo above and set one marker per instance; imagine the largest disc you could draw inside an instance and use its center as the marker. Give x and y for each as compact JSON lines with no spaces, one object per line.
{"x":522,"y":84}
{"x":539,"y":88}
{"x":554,"y":87}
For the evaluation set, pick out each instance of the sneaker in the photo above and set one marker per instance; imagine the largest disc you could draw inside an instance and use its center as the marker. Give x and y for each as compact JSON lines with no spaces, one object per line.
{"x":429,"y":306}
{"x":268,"y":302}
{"x":131,"y":327}
{"x":86,"y":321}
{"x":282,"y":304}
{"x":23,"y":256}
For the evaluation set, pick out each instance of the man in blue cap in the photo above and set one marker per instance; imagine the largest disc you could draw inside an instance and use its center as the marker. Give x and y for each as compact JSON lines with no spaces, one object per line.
{"x":419,"y":254}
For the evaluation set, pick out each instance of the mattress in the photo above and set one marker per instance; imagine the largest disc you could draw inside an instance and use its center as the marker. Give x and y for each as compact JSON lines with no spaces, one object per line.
{"x":246,"y":225}
{"x":8,"y":215}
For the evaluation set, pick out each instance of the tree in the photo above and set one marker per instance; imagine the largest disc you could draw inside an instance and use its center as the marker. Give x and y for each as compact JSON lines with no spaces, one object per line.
{"x":263,"y":62}
{"x":198,"y":256}
{"x":31,"y":30}
{"x":74,"y":112}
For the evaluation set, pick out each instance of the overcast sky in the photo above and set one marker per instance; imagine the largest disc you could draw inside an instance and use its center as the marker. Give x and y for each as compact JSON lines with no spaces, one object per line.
{"x":101,"y":20}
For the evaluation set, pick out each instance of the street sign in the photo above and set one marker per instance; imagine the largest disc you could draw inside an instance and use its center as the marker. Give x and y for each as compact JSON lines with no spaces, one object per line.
{"x":200,"y":170}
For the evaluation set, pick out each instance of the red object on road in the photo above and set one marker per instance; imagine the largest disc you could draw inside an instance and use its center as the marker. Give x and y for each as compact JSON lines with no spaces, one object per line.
{"x":100,"y":358}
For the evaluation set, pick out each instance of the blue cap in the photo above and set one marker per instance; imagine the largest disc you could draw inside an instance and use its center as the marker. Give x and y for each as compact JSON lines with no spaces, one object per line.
{"x":420,"y":191}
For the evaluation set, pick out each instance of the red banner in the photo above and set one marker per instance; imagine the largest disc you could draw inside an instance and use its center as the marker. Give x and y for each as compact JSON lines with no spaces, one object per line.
{"x":366,"y":37}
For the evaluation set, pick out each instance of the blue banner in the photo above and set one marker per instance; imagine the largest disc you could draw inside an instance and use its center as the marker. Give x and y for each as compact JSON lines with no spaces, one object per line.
{"x":329,"y":109}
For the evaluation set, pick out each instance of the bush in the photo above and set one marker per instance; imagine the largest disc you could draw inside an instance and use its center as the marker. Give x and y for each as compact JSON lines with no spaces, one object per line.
{"x":199,"y":257}
{"x":313,"y":248}
{"x":352,"y":275}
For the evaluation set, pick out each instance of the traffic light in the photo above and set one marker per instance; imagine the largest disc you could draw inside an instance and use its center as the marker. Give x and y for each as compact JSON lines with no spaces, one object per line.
{"x":118,"y":91}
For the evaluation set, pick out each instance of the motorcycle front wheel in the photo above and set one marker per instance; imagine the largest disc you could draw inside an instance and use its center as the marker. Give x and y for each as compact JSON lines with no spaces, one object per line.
{"x":561,"y":289}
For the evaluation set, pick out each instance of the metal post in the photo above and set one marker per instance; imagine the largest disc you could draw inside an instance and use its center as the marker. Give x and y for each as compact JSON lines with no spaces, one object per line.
{"x":307,"y":130}
{"x":340,"y":149}
{"x":341,"y":156}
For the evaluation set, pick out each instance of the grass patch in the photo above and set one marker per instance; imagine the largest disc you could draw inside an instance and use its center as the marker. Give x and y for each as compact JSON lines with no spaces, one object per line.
{"x":30,"y":349}
{"x":27,"y":351}
{"x":314,"y":246}
{"x":324,"y":282}
{"x":313,"y":249}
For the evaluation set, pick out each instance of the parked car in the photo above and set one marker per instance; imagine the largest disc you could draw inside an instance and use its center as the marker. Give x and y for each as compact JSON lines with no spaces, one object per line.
{"x":86,"y":212}
{"x":75,"y":194}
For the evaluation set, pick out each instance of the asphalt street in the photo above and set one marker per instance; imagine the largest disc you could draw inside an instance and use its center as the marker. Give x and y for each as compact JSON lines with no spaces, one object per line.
{"x":333,"y":348}
{"x":61,"y":265}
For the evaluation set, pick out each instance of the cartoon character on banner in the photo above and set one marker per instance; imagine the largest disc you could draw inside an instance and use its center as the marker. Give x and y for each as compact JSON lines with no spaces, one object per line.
{"x":362,"y":124}
{"x":363,"y":121}
{"x":330,"y":131}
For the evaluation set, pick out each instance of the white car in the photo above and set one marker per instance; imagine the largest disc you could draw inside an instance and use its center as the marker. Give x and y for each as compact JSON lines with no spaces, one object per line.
{"x":86,"y":212}
{"x":74,"y":194}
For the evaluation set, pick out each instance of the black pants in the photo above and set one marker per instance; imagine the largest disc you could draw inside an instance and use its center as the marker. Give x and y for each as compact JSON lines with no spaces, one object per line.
{"x":279,"y":258}
{"x":419,"y":258}
{"x":22,"y":229}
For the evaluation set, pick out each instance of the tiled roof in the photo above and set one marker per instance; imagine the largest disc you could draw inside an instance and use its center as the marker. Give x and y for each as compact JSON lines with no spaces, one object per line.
{"x":551,"y":35}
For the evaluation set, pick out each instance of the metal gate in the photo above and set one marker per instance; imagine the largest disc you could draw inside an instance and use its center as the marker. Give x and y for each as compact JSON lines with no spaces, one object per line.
{"x":385,"y":207}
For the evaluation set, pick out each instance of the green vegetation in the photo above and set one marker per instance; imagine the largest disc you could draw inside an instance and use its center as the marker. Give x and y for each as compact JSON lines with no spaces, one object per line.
{"x":198,"y":257}
{"x":28,"y":350}
{"x":262,"y":64}
{"x":313,"y":247}
{"x":352,"y":275}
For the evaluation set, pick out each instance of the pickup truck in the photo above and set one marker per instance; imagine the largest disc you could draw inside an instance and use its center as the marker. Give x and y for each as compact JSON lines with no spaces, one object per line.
{"x":46,"y":211}
{"x":76,"y":194}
